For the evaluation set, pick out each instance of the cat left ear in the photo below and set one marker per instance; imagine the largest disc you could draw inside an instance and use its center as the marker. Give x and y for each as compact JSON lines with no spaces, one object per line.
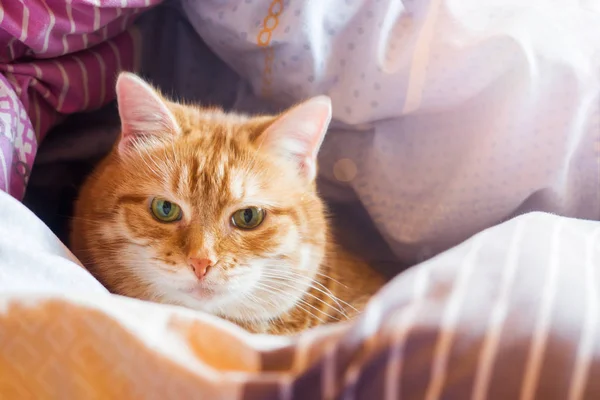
{"x":143,"y":112}
{"x":298,"y":134}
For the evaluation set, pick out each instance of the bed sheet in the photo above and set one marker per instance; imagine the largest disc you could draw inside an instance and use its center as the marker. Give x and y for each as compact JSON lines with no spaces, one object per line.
{"x":511,"y":313}
{"x":450,"y":116}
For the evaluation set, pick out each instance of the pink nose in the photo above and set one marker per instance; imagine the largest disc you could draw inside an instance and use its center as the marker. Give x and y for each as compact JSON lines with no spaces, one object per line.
{"x":200,"y":266}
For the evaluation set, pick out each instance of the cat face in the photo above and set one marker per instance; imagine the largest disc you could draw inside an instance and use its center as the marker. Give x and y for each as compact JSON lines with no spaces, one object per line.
{"x":205,"y":209}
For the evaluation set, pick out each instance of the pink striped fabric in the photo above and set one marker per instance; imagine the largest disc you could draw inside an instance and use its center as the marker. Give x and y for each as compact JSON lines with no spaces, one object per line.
{"x":57,"y":58}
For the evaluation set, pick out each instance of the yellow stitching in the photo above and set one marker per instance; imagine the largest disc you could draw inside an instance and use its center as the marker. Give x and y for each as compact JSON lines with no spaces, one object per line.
{"x":263,"y":40}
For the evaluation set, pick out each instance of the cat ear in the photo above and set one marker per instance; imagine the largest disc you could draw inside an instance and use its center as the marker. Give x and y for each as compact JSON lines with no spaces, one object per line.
{"x":298,"y":134}
{"x":143,"y":112}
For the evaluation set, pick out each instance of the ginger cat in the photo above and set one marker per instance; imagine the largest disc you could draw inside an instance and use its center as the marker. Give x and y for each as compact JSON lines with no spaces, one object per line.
{"x":218,"y":212}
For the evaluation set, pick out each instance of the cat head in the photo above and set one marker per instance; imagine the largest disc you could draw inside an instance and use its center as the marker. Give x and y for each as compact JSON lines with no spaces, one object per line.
{"x":206,"y":209}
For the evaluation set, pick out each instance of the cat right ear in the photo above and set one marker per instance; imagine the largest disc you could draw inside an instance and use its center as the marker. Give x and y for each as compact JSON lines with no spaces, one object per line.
{"x":143,"y":112}
{"x":298,"y":133}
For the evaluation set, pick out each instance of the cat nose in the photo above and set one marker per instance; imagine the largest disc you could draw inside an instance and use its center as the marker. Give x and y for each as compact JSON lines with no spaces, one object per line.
{"x":200,"y":266}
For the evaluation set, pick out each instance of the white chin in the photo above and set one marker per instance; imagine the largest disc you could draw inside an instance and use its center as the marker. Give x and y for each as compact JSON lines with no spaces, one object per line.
{"x":232,"y":306}
{"x":243,"y":297}
{"x":206,"y":301}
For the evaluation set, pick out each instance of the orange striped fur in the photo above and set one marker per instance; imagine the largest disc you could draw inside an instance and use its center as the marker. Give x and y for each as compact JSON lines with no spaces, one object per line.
{"x":285,"y":276}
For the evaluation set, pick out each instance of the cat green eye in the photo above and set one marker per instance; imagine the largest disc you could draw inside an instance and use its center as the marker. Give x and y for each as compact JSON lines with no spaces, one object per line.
{"x":248,"y":218}
{"x":164,"y":210}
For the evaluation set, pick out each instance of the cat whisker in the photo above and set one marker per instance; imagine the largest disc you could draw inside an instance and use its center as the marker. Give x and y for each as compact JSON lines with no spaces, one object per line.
{"x":260,"y":301}
{"x":256,"y":301}
{"x":172,"y":165}
{"x":150,"y":158}
{"x":262,"y":284}
{"x":323,"y":275}
{"x":249,"y":314}
{"x":328,"y":291}
{"x":332,"y":279}
{"x":299,"y":305}
{"x":278,"y":293}
{"x":73,"y":218}
{"x":331,"y":295}
{"x":339,"y":310}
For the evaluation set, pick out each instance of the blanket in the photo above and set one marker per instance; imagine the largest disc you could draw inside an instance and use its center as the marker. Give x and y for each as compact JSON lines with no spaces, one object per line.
{"x":57,"y":58}
{"x":511,"y":313}
{"x":451,"y":118}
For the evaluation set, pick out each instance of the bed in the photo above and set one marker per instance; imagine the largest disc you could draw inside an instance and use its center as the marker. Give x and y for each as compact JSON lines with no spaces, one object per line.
{"x":463,"y":155}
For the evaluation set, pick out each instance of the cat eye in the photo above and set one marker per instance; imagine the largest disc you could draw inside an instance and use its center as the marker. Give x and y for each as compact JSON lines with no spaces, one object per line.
{"x":248,"y":218}
{"x":164,"y":210}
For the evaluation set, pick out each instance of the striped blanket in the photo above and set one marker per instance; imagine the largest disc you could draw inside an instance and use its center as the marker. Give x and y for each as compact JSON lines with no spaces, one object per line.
{"x":513,"y":313}
{"x":56,"y":58}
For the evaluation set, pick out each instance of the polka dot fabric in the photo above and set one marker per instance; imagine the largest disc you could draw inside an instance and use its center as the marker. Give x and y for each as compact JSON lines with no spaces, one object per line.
{"x":450,"y":115}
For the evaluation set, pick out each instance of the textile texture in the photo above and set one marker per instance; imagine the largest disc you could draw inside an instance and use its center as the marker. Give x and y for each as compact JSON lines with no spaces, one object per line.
{"x":452,"y":120}
{"x":510,"y":313}
{"x":56,"y":58}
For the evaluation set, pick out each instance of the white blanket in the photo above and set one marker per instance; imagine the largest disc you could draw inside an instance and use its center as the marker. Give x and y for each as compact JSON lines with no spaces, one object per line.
{"x":452,"y":115}
{"x":511,"y":313}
